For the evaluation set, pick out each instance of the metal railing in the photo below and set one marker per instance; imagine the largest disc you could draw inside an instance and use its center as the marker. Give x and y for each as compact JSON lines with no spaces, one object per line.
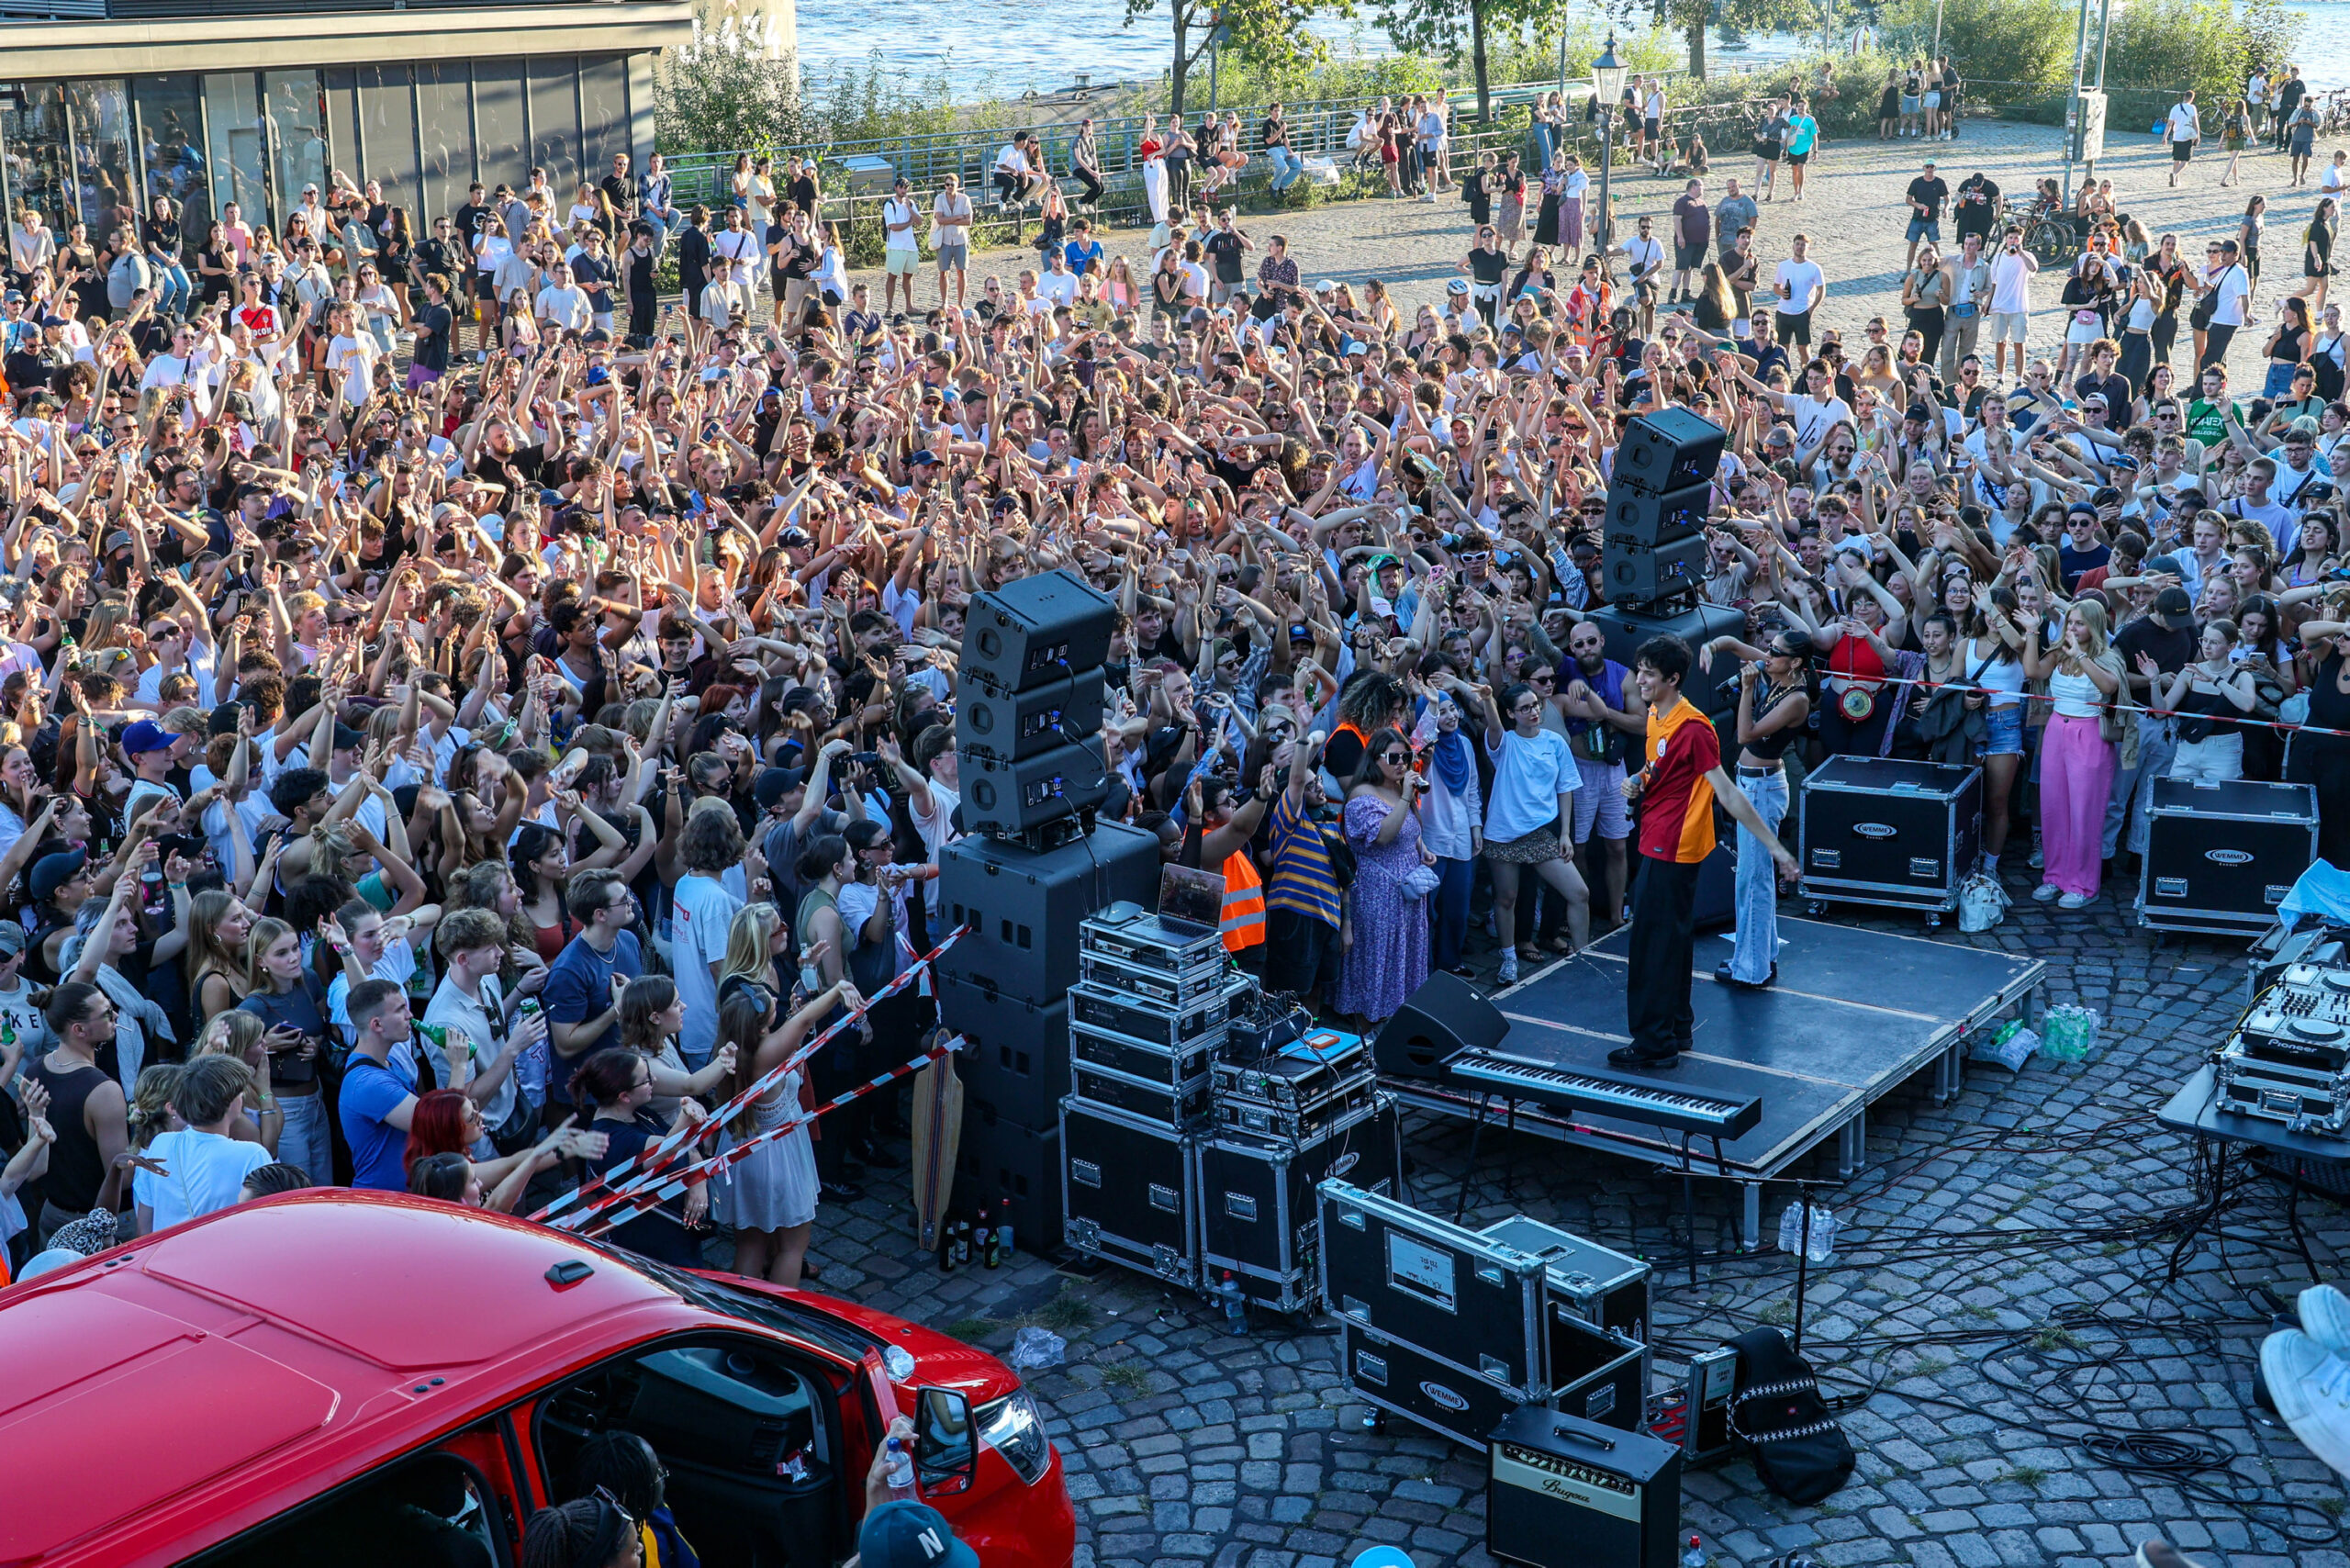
{"x":1317,"y":129}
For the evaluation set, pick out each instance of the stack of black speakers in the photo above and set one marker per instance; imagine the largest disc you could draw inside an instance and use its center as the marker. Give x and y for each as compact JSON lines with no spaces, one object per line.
{"x":1653,"y":559}
{"x":1033,"y":862}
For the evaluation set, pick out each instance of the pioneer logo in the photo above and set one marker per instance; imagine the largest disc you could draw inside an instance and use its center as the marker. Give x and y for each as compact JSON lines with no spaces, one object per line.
{"x":2227,"y":857}
{"x":1874,"y":830}
{"x":1444,"y":1396}
{"x":1344,"y":1163}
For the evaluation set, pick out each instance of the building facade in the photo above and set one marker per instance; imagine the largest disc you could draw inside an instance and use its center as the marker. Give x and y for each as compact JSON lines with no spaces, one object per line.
{"x":217,"y":101}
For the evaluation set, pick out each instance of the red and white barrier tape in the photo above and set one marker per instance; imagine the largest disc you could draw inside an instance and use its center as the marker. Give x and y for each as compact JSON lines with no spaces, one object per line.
{"x":654,"y":1188}
{"x":664,"y":1150}
{"x":2028,"y":697}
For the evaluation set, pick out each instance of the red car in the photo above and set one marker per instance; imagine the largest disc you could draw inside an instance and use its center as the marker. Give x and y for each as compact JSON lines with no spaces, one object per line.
{"x":345,"y":1377}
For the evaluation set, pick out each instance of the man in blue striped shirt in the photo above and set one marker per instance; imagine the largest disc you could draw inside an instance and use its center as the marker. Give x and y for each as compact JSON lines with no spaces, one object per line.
{"x":1301,"y":896}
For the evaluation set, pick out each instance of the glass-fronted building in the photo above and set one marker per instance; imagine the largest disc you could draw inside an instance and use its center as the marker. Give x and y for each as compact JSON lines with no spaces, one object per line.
{"x":217,"y":101}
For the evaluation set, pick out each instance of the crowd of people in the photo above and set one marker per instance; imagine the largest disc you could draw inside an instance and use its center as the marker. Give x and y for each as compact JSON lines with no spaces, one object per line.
{"x":467,"y":711}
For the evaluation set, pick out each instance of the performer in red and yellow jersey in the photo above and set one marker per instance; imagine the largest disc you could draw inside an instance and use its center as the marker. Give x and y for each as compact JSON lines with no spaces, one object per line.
{"x":1680,"y":780}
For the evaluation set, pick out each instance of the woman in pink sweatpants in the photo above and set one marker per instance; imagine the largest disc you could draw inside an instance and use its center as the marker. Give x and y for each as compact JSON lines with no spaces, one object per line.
{"x":2075,"y":760}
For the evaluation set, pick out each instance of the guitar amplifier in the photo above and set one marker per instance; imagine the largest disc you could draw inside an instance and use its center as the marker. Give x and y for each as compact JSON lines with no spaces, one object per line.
{"x":1565,"y":1492}
{"x":2221,"y":857}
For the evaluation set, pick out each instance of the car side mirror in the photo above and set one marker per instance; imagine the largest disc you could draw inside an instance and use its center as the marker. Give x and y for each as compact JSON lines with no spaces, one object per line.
{"x":947,"y":1444}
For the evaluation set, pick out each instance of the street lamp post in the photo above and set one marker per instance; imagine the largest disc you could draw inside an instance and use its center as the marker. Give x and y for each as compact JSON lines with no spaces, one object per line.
{"x":1608,"y":82}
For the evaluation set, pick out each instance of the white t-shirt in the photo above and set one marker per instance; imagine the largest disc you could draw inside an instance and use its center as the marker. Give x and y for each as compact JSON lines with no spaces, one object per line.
{"x":482,"y":1018}
{"x":2234,"y":289}
{"x":564,"y":308}
{"x":2010,"y":284}
{"x":1813,"y":418}
{"x":896,"y":210}
{"x":1796,"y":280}
{"x":937,"y":831}
{"x":2185,"y":124}
{"x":1529,"y":775}
{"x":204,"y":1173}
{"x":699,"y":917}
{"x":1645,"y":253}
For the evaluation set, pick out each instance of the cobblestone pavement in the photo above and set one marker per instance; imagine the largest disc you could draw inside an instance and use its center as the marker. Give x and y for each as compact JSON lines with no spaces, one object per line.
{"x":1186,"y":1446}
{"x":1852,"y":209}
{"x":2029,"y":1195}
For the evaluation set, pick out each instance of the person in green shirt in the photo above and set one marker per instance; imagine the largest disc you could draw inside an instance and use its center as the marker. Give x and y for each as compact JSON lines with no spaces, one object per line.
{"x":2208,"y":415}
{"x":1803,"y":135}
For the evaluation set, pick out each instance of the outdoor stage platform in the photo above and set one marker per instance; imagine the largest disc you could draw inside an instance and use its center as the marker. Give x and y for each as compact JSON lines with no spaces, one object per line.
{"x":1856,"y":1013}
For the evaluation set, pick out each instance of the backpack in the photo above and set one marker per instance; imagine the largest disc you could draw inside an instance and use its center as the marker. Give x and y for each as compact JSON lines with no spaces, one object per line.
{"x":1800,"y":1451}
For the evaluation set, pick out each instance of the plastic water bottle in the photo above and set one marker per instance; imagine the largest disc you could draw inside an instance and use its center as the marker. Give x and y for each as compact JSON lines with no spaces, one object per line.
{"x":1824,"y":1227}
{"x":1235,"y":1305}
{"x":1696,"y":1556}
{"x":901,"y":1472}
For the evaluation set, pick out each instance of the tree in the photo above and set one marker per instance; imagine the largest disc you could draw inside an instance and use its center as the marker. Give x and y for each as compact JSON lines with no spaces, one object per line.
{"x":726,"y":90}
{"x":1435,"y":26}
{"x":1690,"y":18}
{"x":1271,"y":34}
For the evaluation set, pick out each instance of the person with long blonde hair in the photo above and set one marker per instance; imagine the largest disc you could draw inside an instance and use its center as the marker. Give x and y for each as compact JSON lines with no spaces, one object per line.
{"x":289,"y":1002}
{"x":217,"y":925}
{"x":2076,"y":762}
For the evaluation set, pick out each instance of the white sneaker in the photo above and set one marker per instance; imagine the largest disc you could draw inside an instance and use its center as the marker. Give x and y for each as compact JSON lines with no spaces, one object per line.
{"x":2046,"y":893}
{"x":2325,"y":1317}
{"x":2039,"y":858}
{"x":2074,"y":901}
{"x":1508,"y":975}
{"x":2312,"y":1388}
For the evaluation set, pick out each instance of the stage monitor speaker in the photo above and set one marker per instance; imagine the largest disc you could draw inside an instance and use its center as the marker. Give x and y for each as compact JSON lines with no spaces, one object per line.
{"x":1626,"y":627}
{"x":1445,"y":1016}
{"x":1666,"y":450}
{"x":1005,"y":800}
{"x":1011,"y":726}
{"x":1637,"y":575}
{"x":1651,"y":518}
{"x":1034,"y":630}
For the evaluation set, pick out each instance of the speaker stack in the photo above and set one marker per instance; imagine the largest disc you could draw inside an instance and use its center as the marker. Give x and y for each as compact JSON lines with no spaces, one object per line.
{"x":1032,"y":865}
{"x":1653,"y":559}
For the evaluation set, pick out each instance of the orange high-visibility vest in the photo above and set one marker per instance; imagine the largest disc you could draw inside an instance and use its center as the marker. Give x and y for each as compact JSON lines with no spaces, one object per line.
{"x":1244,"y":904}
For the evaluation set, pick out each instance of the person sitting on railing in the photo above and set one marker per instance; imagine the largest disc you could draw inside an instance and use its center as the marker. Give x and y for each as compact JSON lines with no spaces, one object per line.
{"x":1016,"y":178}
{"x":1085,"y":161}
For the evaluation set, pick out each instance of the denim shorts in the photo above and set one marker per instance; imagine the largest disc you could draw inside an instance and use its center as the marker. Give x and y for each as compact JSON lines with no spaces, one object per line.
{"x":2003,"y":737}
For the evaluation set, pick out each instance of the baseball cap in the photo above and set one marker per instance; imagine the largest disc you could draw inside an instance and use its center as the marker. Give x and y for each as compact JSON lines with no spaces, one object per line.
{"x":2080,"y":509}
{"x":775,"y":783}
{"x":12,"y":939}
{"x":346,"y":738}
{"x":2173,"y":601}
{"x":906,"y":1534}
{"x":144,"y":737}
{"x":51,"y":872}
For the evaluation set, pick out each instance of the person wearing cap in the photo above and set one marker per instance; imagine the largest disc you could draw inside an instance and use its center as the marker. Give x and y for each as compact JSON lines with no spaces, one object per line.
{"x":901,"y":248}
{"x":1925,"y":197}
{"x":149,"y":748}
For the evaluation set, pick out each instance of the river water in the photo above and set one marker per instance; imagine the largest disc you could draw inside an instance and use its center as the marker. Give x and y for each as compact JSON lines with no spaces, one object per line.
{"x":1003,"y":48}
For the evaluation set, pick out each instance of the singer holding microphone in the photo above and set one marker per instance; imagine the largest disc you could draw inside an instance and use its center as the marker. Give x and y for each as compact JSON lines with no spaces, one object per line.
{"x":1771,"y":707}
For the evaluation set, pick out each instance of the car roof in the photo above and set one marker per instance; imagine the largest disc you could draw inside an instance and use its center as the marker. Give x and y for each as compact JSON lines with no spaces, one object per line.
{"x":255,"y":1348}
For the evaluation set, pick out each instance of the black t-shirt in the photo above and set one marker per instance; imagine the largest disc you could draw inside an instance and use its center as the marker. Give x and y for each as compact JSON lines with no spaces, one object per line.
{"x":2290,"y":95}
{"x":1930,"y":193}
{"x":1223,"y":248}
{"x":433,"y":322}
{"x":639,"y":272}
{"x":2172,"y":647}
{"x":1487,"y":266}
{"x":1979,"y":204}
{"x":620,"y":192}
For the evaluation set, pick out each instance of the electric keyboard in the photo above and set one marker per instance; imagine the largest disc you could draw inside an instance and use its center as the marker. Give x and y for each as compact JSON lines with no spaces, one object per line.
{"x":1604,"y":1093}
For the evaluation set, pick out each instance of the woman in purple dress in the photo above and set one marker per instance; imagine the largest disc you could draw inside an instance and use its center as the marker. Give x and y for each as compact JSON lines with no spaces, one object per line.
{"x":1389,"y":955}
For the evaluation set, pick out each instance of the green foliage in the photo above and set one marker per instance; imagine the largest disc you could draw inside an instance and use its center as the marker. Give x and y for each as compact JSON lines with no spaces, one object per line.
{"x":1270,"y":35}
{"x":1994,"y":42}
{"x":2201,"y":44}
{"x":722,"y":92}
{"x":880,"y":101}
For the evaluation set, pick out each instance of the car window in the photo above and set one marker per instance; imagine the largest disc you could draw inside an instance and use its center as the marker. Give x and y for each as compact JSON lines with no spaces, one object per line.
{"x":434,"y":1510}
